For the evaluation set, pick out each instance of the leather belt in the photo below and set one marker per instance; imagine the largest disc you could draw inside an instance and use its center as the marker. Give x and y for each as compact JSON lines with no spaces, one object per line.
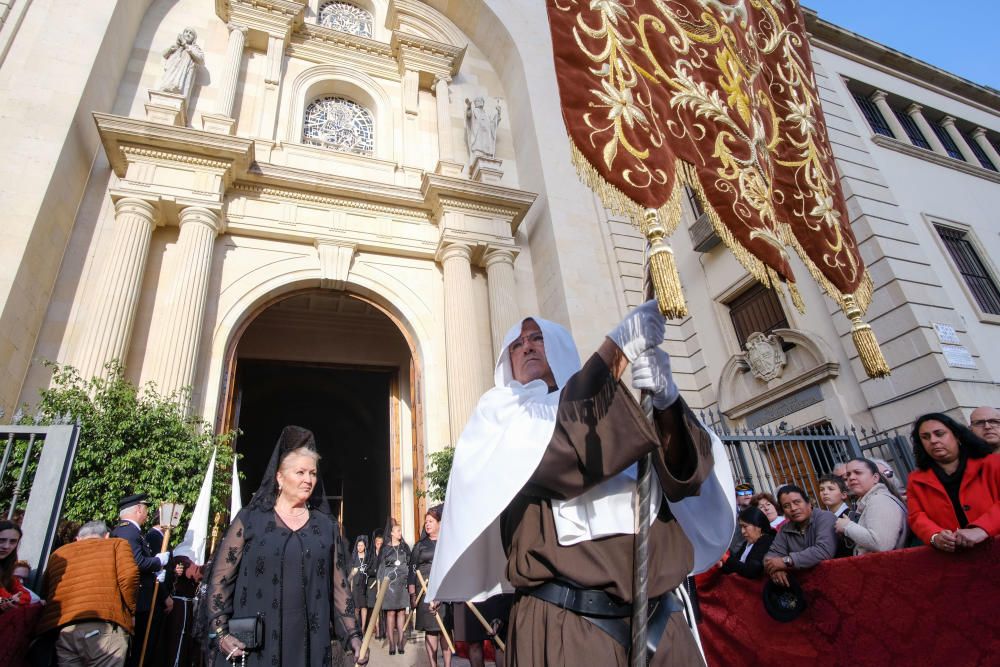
{"x":580,"y":600}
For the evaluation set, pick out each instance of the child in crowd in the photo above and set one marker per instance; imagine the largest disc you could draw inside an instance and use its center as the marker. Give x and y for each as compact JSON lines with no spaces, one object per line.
{"x":833,"y":495}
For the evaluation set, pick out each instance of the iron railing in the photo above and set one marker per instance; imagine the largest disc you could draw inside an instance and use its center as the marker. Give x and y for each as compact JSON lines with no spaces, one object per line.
{"x":769,"y":457}
{"x":36,"y":464}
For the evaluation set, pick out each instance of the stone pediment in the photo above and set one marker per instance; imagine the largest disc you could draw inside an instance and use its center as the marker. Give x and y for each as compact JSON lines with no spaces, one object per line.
{"x":747,"y":384}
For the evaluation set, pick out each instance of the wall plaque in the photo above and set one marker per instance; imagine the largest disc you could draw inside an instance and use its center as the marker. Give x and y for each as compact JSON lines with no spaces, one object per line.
{"x":785,"y":406}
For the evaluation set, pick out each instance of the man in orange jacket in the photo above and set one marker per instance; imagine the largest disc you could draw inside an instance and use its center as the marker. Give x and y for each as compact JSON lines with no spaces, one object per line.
{"x":91,"y":586}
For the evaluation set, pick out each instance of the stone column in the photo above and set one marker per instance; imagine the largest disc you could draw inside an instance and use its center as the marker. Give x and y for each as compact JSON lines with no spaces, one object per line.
{"x":116,"y":299}
{"x":915,"y":111}
{"x":231,"y":74}
{"x":503,"y":300}
{"x":878,"y":97}
{"x":948,"y":123}
{"x":181,"y":326}
{"x":464,"y":364}
{"x":979,"y":136}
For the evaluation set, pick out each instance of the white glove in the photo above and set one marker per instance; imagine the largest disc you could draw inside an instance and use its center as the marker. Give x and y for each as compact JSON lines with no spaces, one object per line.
{"x":641,"y":329}
{"x":161,"y":576}
{"x":651,"y":372}
{"x":164,"y":558}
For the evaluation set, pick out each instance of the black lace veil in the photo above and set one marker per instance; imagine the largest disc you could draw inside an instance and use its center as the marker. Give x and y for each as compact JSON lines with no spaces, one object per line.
{"x":291,"y":438}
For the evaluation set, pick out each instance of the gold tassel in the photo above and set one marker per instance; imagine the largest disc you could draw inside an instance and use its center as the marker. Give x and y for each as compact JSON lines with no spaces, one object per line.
{"x":864,"y":340}
{"x":663,"y":267}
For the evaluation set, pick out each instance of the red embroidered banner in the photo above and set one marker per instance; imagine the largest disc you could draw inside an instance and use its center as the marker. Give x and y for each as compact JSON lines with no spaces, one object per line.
{"x":910,"y":607}
{"x":718,"y":95}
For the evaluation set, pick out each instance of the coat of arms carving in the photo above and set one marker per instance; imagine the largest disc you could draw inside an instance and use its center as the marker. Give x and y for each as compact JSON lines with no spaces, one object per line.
{"x":765,"y":356}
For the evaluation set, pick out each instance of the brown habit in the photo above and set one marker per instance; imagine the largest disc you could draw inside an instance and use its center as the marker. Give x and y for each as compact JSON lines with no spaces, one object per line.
{"x":600,"y":431}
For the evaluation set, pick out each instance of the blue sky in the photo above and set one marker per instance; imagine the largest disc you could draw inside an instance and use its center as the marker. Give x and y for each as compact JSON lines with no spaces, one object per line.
{"x":960,"y":36}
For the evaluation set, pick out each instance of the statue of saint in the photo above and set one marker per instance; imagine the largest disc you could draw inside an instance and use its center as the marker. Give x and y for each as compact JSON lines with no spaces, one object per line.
{"x":481,"y":128}
{"x":179,"y":63}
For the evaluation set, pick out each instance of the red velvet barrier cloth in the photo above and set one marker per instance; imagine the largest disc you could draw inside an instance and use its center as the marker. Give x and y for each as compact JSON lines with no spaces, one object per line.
{"x":16,"y":628}
{"x":911,"y":607}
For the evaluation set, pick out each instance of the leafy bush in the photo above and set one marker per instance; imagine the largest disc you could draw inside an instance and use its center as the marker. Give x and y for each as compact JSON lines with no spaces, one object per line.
{"x":438,"y":473}
{"x":131,"y":441}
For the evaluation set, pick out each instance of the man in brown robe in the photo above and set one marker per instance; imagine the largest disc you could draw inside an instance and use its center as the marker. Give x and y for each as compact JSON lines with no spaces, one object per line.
{"x":574,"y":592}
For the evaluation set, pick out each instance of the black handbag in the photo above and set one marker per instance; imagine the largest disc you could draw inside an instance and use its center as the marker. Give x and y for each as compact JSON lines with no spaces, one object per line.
{"x":249,"y":630}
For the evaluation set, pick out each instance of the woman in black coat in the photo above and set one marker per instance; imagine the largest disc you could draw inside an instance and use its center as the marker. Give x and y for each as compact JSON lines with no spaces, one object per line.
{"x":747,"y":560}
{"x":358,"y":578}
{"x":283,"y":558}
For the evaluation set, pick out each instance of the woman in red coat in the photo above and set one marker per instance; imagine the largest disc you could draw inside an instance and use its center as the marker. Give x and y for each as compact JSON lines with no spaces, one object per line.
{"x":954,"y":496}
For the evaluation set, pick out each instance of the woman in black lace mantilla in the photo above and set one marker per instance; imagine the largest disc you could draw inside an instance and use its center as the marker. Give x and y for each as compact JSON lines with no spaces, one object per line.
{"x":283,"y":557}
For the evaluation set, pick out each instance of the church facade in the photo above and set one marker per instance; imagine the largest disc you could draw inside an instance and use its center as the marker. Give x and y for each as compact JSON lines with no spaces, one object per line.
{"x":329,"y":213}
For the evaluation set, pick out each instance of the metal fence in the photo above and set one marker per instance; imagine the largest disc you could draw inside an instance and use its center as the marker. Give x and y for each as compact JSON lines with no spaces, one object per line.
{"x":34,"y":477}
{"x":767,"y":458}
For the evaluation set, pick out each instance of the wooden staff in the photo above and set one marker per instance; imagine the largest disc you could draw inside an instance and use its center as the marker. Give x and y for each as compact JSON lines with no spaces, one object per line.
{"x":489,"y":628}
{"x":413,"y":614}
{"x":437,"y":617}
{"x":371,"y":626}
{"x":152,"y":608}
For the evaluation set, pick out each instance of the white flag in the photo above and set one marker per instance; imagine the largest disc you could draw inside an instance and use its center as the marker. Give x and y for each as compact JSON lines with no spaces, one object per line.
{"x":196,"y":536}
{"x":235,"y":505}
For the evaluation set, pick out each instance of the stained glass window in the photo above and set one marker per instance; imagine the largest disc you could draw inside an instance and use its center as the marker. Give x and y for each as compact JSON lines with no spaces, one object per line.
{"x":340,"y":124}
{"x":346,"y":17}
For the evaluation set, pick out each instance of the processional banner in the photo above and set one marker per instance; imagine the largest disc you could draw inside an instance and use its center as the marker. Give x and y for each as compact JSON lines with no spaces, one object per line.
{"x":718,"y":96}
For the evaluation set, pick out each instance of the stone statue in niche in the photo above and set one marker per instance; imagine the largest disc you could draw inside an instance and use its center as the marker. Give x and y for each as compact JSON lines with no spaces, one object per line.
{"x":481,"y":128}
{"x":180,"y":64}
{"x":765,"y":356}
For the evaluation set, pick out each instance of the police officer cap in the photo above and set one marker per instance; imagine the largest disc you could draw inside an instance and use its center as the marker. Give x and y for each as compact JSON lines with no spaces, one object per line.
{"x":134,"y":499}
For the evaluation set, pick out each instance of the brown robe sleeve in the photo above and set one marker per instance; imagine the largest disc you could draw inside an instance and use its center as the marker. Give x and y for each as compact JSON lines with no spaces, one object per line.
{"x":601,"y":430}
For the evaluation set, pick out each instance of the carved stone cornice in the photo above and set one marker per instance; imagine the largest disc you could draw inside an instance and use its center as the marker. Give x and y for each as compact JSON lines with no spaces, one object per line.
{"x":273,"y":17}
{"x":281,"y":194}
{"x":418,"y":18}
{"x":281,"y":176}
{"x":431,"y":59}
{"x":443,"y":192}
{"x":324,"y":45}
{"x":123,"y":136}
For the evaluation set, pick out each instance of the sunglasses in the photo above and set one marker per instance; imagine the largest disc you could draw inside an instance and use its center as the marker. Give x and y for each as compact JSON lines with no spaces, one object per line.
{"x":744,"y":493}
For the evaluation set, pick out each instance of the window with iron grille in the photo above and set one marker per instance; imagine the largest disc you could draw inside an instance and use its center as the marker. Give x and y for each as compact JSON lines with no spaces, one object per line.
{"x":874,"y":117}
{"x":970,"y":265}
{"x":912,"y":130}
{"x":978,"y":151}
{"x":757,"y":309}
{"x":694,"y":201}
{"x":949,"y":144}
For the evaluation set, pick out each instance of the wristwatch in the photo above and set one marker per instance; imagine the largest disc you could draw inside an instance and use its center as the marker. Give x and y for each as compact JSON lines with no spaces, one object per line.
{"x":787,"y":560}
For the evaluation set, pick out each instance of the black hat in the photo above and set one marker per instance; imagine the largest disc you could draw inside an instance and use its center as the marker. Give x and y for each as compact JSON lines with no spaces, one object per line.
{"x":134,"y":499}
{"x":784,"y":604}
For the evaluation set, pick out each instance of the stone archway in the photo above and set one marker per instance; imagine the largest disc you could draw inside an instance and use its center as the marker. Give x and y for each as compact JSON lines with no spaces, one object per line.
{"x":344,"y":367}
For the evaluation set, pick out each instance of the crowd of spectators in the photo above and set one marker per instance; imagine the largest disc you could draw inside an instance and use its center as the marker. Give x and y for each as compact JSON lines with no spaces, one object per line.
{"x":951,"y":502}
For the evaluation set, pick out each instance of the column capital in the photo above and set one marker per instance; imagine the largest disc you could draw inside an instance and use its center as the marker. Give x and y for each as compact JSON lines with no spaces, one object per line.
{"x":948,"y":121}
{"x":877,"y":96}
{"x":137,"y":206}
{"x":914,"y":109}
{"x":201,"y":215}
{"x":449,"y":249}
{"x":236,"y":27}
{"x":441,"y":78}
{"x":499,"y":255}
{"x":978,"y":132}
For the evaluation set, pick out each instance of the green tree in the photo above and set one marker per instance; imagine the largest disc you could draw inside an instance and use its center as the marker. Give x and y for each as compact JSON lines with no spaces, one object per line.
{"x":131,"y":441}
{"x":438,"y":473}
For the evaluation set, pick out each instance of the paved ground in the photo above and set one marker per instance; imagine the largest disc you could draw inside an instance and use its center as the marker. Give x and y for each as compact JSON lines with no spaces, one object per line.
{"x":415,"y":655}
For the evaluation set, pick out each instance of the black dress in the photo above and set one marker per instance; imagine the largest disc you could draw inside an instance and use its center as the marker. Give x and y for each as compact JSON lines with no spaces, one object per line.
{"x":420,"y":561}
{"x":753,"y":566}
{"x":394,"y":563}
{"x":358,"y":576}
{"x":296,"y":579}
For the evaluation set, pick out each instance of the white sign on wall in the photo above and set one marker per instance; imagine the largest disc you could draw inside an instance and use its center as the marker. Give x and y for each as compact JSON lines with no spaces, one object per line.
{"x":946,"y":333}
{"x":958,"y":356}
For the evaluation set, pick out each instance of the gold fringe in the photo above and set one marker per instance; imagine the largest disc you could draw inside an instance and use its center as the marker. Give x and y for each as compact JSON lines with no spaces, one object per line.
{"x":864,"y":340}
{"x":668,"y":218}
{"x":663,"y":268}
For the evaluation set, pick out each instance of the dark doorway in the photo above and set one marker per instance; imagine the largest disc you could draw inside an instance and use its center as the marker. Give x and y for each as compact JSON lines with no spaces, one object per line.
{"x":347,"y":410}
